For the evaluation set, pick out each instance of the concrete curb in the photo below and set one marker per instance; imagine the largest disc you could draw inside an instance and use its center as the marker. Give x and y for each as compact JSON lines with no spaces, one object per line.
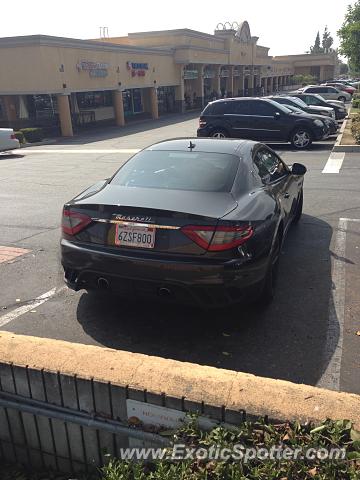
{"x":50,"y":141}
{"x":225,"y":389}
{"x":344,"y":148}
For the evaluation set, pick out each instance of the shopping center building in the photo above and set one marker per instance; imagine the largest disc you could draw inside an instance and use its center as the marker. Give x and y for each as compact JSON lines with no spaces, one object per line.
{"x":67,"y":84}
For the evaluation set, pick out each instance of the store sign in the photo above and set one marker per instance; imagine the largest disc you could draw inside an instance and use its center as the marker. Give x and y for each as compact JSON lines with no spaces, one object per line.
{"x":137,"y":69}
{"x":190,"y":74}
{"x":95,"y":69}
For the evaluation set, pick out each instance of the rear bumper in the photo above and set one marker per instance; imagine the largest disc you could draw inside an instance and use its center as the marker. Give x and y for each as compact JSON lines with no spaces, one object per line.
{"x":9,"y":145}
{"x":196,"y":281}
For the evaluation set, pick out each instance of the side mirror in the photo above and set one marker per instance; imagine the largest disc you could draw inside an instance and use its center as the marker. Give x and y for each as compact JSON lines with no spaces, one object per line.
{"x":277,"y":115}
{"x":298,"y":169}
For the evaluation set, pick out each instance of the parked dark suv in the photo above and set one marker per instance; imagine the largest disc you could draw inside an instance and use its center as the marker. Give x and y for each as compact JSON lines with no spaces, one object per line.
{"x":313,"y":99}
{"x":259,"y":119}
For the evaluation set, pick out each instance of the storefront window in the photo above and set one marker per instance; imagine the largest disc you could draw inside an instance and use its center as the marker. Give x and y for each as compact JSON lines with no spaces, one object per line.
{"x":132,"y":101}
{"x":166,"y":99}
{"x":40,"y":106}
{"x":88,"y":100}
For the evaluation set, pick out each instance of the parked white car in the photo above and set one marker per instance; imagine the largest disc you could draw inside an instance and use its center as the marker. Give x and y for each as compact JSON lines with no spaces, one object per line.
{"x":8,"y":141}
{"x":327,"y":92}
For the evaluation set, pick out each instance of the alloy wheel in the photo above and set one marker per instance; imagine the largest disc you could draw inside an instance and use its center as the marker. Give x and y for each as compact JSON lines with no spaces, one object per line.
{"x":218,"y":135}
{"x":301,"y":139}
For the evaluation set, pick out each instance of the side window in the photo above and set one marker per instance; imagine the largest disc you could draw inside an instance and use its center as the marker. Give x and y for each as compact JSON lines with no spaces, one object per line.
{"x":311,"y":90}
{"x":242,"y":107}
{"x":268,"y":166}
{"x":310,"y":100}
{"x":263,"y":108}
{"x":217,"y":109}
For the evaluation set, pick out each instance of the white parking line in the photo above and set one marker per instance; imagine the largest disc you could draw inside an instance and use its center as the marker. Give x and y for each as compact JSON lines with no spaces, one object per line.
{"x":334,"y":162}
{"x":335,"y":332}
{"x":83,"y":150}
{"x":8,"y":317}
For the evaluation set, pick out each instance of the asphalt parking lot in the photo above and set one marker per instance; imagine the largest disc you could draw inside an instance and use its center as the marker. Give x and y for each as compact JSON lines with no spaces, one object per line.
{"x":308,"y":335}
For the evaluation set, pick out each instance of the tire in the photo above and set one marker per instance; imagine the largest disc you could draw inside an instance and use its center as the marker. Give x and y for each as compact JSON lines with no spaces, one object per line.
{"x":342,"y":99}
{"x":268,"y":290}
{"x":219,"y":133}
{"x":299,"y":208}
{"x":301,"y":138}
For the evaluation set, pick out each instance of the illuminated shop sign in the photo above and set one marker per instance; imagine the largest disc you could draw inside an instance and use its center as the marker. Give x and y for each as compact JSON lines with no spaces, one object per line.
{"x":137,"y":69}
{"x":95,"y":69}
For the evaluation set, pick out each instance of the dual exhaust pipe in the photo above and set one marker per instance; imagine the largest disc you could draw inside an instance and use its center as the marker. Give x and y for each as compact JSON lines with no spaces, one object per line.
{"x":104,"y":284}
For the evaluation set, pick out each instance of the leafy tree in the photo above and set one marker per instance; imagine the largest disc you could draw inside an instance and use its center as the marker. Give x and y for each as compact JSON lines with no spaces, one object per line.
{"x":316,"y":48}
{"x":350,"y":36}
{"x":324,"y":45}
{"x":327,"y":41}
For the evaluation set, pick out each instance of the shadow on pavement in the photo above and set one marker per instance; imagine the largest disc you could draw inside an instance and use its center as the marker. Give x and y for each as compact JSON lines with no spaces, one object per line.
{"x":97,"y":134}
{"x":287,"y":340}
{"x":8,"y":155}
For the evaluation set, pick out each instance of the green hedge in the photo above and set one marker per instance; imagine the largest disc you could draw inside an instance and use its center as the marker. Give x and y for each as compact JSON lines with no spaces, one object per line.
{"x":355,"y":127}
{"x":356,"y":103}
{"x":255,"y":435}
{"x":33,"y":135}
{"x":20,"y":136}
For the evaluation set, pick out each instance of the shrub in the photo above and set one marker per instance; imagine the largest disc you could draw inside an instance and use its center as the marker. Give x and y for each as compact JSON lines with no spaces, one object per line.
{"x":356,"y":103}
{"x":355,"y":130}
{"x":256,"y":436}
{"x":20,"y":136}
{"x":32,"y":135}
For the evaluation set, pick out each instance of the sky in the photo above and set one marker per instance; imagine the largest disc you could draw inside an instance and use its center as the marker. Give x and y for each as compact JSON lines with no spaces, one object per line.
{"x":286,"y":26}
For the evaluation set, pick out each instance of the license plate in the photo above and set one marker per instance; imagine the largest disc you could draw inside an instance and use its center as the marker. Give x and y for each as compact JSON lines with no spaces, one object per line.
{"x":135,"y":236}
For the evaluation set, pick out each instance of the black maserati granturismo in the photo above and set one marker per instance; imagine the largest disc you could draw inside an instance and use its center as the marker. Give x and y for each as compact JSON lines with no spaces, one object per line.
{"x":190,"y":220}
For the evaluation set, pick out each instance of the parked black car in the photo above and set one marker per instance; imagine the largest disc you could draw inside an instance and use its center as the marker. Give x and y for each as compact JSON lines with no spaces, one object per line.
{"x":259,"y":119}
{"x":297,"y":102}
{"x":296,"y":106}
{"x":317,"y":100}
{"x":188,"y":220}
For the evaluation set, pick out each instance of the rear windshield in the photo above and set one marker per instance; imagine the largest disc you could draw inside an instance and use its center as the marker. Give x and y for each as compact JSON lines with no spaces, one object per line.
{"x":176,"y":170}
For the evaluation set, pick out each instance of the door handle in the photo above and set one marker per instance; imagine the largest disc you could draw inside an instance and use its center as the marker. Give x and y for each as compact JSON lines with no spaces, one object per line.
{"x":286,"y":195}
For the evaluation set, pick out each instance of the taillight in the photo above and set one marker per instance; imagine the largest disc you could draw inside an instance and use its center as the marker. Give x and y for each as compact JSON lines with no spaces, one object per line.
{"x":74,"y":222}
{"x":215,"y":239}
{"x":13,"y":136}
{"x":202,"y":123}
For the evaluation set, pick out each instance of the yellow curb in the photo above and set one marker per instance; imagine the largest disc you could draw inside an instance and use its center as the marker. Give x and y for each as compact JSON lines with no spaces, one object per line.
{"x":279,"y":399}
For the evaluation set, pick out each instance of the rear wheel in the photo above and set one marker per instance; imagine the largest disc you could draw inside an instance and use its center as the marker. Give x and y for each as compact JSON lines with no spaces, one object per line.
{"x":299,"y":208}
{"x":269,"y":286}
{"x":301,"y":138}
{"x":219,"y":133}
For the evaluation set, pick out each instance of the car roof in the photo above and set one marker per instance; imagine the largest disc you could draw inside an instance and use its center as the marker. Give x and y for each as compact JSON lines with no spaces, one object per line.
{"x":211,"y":145}
{"x":237,"y":99}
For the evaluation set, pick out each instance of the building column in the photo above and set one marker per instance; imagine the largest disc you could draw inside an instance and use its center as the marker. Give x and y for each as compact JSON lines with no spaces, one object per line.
{"x":241,"y":82}
{"x":154,"y":103}
{"x":65,"y":115}
{"x":268,"y":86}
{"x":231,"y":81}
{"x":322,"y":73}
{"x":215,"y":83}
{"x":276,"y":84}
{"x":199,"y":86}
{"x":119,"y":108}
{"x":251,"y":83}
{"x":10,"y":108}
{"x":179,"y":96}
